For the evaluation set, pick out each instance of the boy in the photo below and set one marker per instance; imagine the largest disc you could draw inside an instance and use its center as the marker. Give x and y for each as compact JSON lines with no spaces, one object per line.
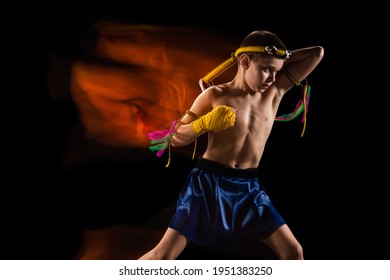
{"x":223,"y":200}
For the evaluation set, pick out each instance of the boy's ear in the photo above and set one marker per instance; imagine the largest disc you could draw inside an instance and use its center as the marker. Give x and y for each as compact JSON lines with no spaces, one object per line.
{"x":244,"y":60}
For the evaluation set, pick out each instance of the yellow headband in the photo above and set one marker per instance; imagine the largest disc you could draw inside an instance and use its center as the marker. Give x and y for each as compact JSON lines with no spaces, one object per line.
{"x":271,"y":50}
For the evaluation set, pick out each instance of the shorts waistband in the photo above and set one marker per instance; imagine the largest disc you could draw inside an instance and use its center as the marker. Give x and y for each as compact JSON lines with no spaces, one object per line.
{"x":221,"y":169}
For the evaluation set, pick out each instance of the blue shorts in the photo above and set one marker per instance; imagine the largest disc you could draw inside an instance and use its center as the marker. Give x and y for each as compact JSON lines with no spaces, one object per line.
{"x":219,"y":205}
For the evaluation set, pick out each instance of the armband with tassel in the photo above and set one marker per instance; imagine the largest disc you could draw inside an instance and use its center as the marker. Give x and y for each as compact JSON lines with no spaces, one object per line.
{"x":161,"y":139}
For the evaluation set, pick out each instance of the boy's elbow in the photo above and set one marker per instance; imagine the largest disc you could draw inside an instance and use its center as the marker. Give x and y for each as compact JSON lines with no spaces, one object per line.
{"x":177,"y":142}
{"x":174,"y":142}
{"x":319,"y":52}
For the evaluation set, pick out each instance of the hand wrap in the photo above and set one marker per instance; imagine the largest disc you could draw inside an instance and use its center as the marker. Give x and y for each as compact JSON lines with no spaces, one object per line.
{"x":221,"y":117}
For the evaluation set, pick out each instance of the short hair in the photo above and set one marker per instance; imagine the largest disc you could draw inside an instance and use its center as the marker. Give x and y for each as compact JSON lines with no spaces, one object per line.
{"x":263,"y":38}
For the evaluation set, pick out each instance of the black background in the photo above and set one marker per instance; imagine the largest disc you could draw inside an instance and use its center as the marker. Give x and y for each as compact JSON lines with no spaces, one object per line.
{"x":328,"y":185}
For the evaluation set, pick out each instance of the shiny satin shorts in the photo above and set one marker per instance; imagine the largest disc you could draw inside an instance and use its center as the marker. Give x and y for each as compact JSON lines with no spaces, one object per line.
{"x":219,"y":205}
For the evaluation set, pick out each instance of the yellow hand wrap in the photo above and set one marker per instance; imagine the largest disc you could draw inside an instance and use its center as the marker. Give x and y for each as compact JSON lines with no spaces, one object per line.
{"x":220,"y":117}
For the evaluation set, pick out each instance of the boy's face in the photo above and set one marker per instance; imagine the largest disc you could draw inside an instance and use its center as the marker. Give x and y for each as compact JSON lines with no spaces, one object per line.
{"x":262,"y":71}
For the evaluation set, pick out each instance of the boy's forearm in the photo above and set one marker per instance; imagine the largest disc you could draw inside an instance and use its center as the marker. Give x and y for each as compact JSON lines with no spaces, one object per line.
{"x":300,"y":54}
{"x":184,"y":135}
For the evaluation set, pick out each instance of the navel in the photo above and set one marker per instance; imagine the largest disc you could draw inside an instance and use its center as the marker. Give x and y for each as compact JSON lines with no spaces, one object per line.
{"x":236,"y":165}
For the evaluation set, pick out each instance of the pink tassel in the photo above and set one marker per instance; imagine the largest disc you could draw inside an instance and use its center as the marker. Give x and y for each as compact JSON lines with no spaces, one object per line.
{"x":161,"y":139}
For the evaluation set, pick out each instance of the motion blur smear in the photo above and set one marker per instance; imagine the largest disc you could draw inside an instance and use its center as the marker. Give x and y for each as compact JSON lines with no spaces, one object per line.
{"x":139,"y":78}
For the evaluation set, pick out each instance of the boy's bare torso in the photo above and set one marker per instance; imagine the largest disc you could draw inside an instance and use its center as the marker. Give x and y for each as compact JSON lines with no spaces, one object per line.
{"x":242,"y":145}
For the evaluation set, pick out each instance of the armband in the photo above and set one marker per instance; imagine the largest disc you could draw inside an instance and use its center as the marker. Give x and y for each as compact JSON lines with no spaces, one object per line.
{"x":291,"y":78}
